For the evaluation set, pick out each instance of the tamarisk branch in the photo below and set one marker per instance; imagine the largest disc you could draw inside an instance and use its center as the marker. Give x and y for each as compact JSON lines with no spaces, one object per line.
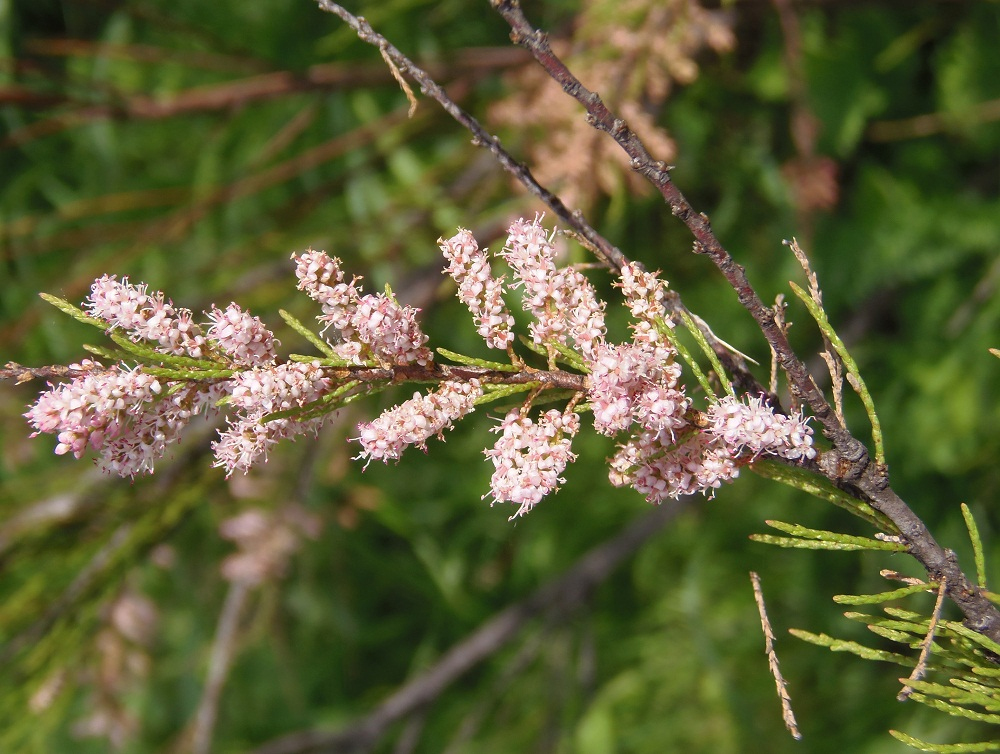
{"x":848,"y":464}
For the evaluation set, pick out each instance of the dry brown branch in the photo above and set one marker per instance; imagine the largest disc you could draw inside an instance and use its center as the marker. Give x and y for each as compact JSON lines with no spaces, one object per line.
{"x":925,"y":646}
{"x":226,"y":96}
{"x":223,"y":648}
{"x":772,"y":660}
{"x":558,"y":599}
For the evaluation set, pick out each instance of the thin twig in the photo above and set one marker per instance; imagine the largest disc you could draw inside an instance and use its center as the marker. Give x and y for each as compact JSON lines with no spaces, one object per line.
{"x":223,"y":647}
{"x":611,"y":255}
{"x":772,"y":660}
{"x":829,"y":354}
{"x":925,"y":645}
{"x":20,"y":373}
{"x":779,"y":318}
{"x":559,"y":597}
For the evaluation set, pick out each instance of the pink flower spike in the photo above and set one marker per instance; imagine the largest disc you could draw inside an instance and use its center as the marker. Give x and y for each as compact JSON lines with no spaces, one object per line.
{"x":653,"y":465}
{"x":478,"y":289}
{"x":244,"y":337}
{"x":144,"y":315}
{"x":644,"y":294}
{"x":528,"y":458}
{"x":415,"y":421}
{"x":753,"y":428}
{"x":636,"y":383}
{"x":255,"y":393}
{"x":122,"y":414}
{"x":367,"y":326}
{"x":562,"y":301}
{"x":390,"y":331}
{"x":322,"y":279}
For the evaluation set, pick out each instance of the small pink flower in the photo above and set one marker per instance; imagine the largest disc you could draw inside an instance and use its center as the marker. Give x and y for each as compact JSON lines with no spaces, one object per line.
{"x":256,"y":393}
{"x":753,"y":428}
{"x":122,"y":414}
{"x":415,"y":421}
{"x":562,"y":301}
{"x":657,"y":467}
{"x":636,"y":383}
{"x":478,"y":289}
{"x":368,"y":326}
{"x":529,"y":457}
{"x":242,"y":336}
{"x":145,"y":316}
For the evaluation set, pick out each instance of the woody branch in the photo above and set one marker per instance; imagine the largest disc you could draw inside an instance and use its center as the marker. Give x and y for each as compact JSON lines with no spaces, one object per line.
{"x":847,"y":464}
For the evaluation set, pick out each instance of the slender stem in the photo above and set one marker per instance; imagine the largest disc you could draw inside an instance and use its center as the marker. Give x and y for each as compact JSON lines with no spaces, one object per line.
{"x":218,"y":667}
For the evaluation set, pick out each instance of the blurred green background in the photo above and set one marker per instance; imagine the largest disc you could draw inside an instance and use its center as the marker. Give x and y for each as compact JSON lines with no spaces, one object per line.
{"x":194,"y":146}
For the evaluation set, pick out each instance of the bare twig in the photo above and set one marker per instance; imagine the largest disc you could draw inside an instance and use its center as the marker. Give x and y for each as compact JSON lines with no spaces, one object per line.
{"x":933,"y":123}
{"x":558,"y":598}
{"x":609,"y":254}
{"x":227,"y":95}
{"x":223,"y":647}
{"x":779,"y":318}
{"x":772,"y":660}
{"x":20,"y":373}
{"x":925,"y":646}
{"x":829,"y":353}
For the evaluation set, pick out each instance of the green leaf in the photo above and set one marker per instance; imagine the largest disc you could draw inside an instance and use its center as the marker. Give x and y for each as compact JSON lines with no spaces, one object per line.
{"x":474,"y":362}
{"x":872,"y":599}
{"x":839,"y":645}
{"x":75,"y":312}
{"x":830,"y":540}
{"x":916,"y":743}
{"x":321,"y":345}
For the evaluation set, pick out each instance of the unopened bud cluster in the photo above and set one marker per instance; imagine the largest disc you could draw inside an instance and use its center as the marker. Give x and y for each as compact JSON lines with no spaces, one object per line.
{"x":633,"y":390}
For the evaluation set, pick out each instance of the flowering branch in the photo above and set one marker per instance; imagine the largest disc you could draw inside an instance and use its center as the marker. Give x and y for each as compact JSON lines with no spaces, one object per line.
{"x":847,"y":464}
{"x":130,"y":416}
{"x":607,"y":252}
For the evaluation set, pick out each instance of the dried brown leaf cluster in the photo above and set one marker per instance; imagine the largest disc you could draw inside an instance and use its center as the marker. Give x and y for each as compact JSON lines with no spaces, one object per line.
{"x":631,"y":52}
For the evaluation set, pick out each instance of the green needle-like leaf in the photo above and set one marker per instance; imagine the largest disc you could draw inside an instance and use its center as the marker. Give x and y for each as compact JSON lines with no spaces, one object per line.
{"x":321,"y":345}
{"x":471,"y":361}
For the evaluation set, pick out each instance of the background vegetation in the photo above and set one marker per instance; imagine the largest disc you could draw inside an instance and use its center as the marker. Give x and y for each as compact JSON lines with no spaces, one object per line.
{"x":194,"y":146}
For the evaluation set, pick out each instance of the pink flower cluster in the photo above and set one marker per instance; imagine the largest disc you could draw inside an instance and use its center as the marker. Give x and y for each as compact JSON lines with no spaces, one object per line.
{"x":369,"y":328}
{"x":562,"y":301}
{"x":478,"y":289}
{"x":666,"y":449}
{"x":636,"y":383}
{"x":123,"y":414}
{"x":130,"y":417}
{"x":242,"y":336}
{"x":145,"y":316}
{"x":529,"y":457}
{"x":255,"y":393}
{"x":659,"y":467}
{"x":415,"y":421}
{"x":753,"y":428}
{"x":644,"y":294}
